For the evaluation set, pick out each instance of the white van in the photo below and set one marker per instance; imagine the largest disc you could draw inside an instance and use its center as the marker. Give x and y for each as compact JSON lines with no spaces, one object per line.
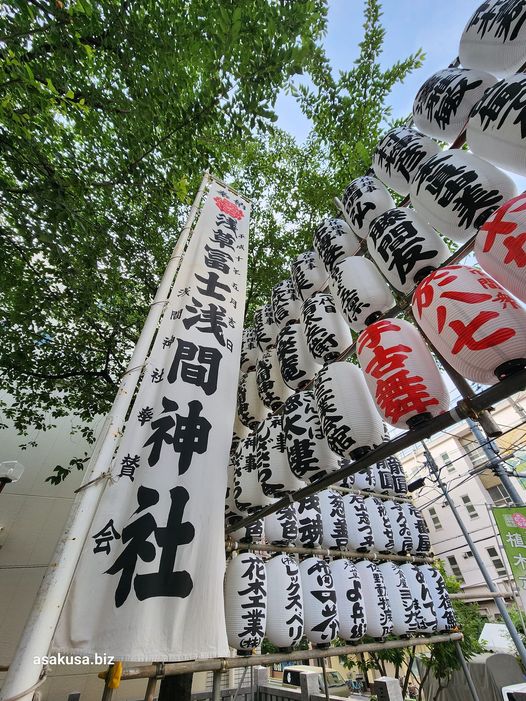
{"x":335,"y":682}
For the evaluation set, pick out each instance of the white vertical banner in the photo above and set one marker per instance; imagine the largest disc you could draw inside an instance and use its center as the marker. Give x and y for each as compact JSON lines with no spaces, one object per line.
{"x":149,"y":583}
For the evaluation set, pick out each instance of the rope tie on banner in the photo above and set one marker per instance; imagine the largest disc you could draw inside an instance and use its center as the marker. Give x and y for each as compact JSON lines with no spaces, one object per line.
{"x":162,"y":301}
{"x":82,"y":487}
{"x":135,"y":367}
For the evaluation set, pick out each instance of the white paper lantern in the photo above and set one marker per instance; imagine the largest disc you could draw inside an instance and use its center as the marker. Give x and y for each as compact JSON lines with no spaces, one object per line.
{"x":310,"y":525}
{"x":274,"y":474}
{"x":457,"y":191}
{"x":286,"y":305}
{"x":500,"y":246}
{"x":473,"y":322}
{"x":284,"y":602}
{"x":249,"y":350}
{"x":349,"y":419}
{"x":398,"y":474}
{"x":333,"y":241}
{"x":426,"y":616}
{"x":349,"y":600}
{"x":250,"y":408}
{"x":381,"y":525}
{"x":377,"y":610}
{"x":248,"y":494}
{"x":445,"y":613}
{"x":405,"y":247}
{"x":309,"y":455}
{"x":402,"y":536}
{"x":271,"y":389}
{"x":360,"y":293}
{"x":281,"y":527}
{"x":319,"y":602}
{"x":383,"y":479}
{"x":232,"y":512}
{"x":297,"y":365}
{"x":401,"y":374}
{"x":418,"y":528}
{"x":333,"y":519}
{"x":364,"y":200}
{"x":253,"y":533}
{"x":398,"y":155}
{"x":308,"y":274}
{"x":496,"y":126}
{"x":326,"y":331}
{"x":365,"y":480}
{"x":405,"y":610}
{"x":265,"y":328}
{"x":245,"y":602}
{"x":359,"y":530}
{"x":494,"y":38}
{"x":443,"y":103}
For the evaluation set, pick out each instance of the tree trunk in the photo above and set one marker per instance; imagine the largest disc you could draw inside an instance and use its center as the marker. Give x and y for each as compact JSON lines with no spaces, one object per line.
{"x":176,"y":688}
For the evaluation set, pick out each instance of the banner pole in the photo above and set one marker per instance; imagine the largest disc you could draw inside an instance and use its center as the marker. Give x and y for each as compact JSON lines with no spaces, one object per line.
{"x":27,"y":668}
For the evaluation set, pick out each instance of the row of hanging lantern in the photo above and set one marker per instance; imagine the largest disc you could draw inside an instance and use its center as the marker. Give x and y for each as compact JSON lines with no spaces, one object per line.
{"x":332,"y":520}
{"x":284,"y":599}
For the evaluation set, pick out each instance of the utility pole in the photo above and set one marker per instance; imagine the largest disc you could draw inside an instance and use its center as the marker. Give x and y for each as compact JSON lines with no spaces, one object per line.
{"x":499,"y":601}
{"x":495,"y":461}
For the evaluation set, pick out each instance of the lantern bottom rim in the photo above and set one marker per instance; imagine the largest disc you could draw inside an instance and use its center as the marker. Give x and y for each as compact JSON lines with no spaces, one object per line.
{"x":510,"y":367}
{"x":419,"y":419}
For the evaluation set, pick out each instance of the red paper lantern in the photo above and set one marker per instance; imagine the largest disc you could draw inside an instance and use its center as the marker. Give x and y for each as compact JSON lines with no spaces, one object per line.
{"x":348,"y":416}
{"x":360,"y":293}
{"x":401,"y":374}
{"x":472,"y":322}
{"x":500,"y":246}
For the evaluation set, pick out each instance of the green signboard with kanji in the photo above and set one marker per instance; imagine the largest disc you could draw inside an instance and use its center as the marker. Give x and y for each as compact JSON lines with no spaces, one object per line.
{"x":511,"y":522}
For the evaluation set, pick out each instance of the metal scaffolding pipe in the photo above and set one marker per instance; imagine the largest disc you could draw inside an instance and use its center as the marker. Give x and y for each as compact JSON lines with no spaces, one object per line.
{"x":377,"y":495}
{"x":464,"y":408}
{"x":232,"y":546}
{"x":224,"y":663}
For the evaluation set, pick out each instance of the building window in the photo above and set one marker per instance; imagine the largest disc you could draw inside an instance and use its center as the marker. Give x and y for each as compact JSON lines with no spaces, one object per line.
{"x":473,"y":450}
{"x":496,"y":561}
{"x":472,"y":512}
{"x":455,"y":569}
{"x":446,"y":460}
{"x":434,"y":518}
{"x":468,"y":554}
{"x":499,"y":495}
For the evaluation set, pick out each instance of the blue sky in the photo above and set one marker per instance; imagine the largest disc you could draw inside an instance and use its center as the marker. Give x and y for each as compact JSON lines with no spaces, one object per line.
{"x":435,"y":26}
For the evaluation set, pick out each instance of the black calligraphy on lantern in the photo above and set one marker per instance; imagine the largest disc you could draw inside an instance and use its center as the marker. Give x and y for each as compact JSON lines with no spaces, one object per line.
{"x":441,"y":95}
{"x":138,"y":548}
{"x":501,"y":19}
{"x":254,"y":603}
{"x":399,"y":243}
{"x":325,"y":594}
{"x":453,"y":184}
